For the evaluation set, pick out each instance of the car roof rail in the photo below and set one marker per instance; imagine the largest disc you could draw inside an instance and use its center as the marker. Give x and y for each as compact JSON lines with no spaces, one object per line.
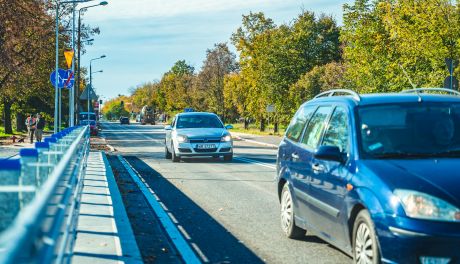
{"x":354,"y":94}
{"x":418,"y":90}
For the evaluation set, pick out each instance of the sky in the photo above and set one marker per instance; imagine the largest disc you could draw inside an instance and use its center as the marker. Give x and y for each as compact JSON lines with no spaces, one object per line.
{"x":142,"y":39}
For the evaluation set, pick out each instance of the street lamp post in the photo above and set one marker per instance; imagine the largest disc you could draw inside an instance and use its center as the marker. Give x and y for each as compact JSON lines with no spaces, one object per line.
{"x":77,"y":91}
{"x":91,"y":80}
{"x":103,"y":3}
{"x":57,"y":103}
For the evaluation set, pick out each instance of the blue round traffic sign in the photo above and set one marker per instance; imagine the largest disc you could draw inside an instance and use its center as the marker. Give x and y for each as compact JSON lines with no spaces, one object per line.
{"x":65,"y":78}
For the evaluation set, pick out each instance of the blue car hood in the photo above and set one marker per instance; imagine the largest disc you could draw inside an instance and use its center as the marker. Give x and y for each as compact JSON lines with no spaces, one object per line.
{"x":438,"y":177}
{"x":202,"y":132}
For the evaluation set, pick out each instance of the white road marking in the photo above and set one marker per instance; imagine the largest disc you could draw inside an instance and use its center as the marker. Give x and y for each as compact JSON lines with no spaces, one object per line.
{"x":263,"y":164}
{"x":188,"y":255}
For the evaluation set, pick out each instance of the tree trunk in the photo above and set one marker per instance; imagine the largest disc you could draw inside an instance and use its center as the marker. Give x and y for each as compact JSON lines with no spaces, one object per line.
{"x":246,"y":123}
{"x":275,"y":127}
{"x":20,"y":122}
{"x":7,"y":113}
{"x":262,"y":124}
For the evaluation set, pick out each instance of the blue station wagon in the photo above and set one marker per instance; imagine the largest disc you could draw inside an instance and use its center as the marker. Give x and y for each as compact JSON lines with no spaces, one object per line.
{"x":377,"y":175}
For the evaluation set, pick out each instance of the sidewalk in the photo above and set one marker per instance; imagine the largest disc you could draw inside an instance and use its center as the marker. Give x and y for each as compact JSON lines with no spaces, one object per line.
{"x":270,"y":141}
{"x":7,"y":151}
{"x":104,"y":233}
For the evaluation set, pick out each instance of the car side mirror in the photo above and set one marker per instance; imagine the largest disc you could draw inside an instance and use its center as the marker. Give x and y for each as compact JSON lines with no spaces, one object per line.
{"x":331,"y":153}
{"x":168,"y":128}
{"x":229,"y":127}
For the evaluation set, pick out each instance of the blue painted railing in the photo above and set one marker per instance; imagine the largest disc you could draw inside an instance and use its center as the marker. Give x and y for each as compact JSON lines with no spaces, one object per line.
{"x":39,"y":198}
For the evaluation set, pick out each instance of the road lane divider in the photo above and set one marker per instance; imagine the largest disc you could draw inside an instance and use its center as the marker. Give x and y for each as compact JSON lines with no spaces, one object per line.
{"x":263,"y":164}
{"x":186,"y":252}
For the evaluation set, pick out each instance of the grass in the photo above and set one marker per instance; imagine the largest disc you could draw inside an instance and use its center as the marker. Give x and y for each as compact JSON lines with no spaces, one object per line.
{"x":3,"y":134}
{"x":254,"y":129}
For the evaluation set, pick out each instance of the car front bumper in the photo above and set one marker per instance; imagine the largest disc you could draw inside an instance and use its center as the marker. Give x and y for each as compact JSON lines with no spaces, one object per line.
{"x":408,"y":240}
{"x":191,"y":149}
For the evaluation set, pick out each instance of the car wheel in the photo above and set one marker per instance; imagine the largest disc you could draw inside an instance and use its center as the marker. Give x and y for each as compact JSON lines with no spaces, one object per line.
{"x":167,"y":153}
{"x":174,"y":157}
{"x":228,"y":157}
{"x":287,"y":215}
{"x":365,"y":244}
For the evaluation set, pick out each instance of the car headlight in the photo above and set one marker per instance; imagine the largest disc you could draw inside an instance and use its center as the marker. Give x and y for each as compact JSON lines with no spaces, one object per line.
{"x":226,"y":138}
{"x":424,"y":206}
{"x":182,"y":138}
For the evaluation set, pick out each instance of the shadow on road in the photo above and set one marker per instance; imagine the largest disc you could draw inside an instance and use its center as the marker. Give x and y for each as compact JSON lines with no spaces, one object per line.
{"x":216,"y":244}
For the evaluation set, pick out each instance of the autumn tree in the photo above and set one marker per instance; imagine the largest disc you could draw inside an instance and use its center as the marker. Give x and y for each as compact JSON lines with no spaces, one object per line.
{"x":219,"y":62}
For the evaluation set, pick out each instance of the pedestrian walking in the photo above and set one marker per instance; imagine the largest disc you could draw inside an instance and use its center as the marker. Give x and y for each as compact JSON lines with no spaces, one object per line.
{"x":30,"y":123}
{"x":40,"y":125}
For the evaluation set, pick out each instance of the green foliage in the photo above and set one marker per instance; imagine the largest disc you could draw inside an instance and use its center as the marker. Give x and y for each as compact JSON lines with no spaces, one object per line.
{"x":319,"y":79}
{"x":116,"y":108}
{"x":274,"y":57}
{"x":27,"y":56}
{"x":384,"y":37}
{"x":182,"y":68}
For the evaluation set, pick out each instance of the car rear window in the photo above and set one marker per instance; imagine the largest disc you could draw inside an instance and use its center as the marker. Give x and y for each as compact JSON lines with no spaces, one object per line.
{"x":410,"y":129}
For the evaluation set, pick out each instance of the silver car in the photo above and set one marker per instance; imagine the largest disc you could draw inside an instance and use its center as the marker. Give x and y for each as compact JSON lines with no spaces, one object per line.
{"x":198,"y":134}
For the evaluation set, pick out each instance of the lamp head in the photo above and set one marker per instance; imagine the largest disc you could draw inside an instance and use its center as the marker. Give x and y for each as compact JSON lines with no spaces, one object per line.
{"x":103,"y":56}
{"x":103,"y":3}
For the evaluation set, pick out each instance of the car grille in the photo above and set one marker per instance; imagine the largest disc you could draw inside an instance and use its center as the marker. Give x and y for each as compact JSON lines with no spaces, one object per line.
{"x":224,"y":149}
{"x":202,"y":140}
{"x":205,"y":150}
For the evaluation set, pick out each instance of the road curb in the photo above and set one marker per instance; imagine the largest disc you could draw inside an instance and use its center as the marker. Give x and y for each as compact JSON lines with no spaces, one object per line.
{"x":130,"y":250}
{"x":185,"y":250}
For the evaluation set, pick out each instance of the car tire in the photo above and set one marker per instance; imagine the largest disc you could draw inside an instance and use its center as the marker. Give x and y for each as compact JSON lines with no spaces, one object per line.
{"x":174,"y":157}
{"x":167,"y":153}
{"x":365,"y":243}
{"x":228,"y":158}
{"x":290,"y":229}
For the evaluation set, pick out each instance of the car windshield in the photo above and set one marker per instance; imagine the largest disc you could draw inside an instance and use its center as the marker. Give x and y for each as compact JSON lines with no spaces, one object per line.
{"x":411,"y":130}
{"x":85,"y":116}
{"x":199,"y":121}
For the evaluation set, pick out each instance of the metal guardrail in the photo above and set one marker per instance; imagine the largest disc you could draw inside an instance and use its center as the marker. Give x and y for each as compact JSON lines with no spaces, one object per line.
{"x":43,"y":196}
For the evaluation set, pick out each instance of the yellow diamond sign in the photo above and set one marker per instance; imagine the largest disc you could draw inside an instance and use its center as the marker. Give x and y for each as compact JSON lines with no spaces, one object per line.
{"x":68,"y":57}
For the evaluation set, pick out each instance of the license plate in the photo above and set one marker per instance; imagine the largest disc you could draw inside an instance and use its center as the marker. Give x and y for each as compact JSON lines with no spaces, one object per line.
{"x":205,"y":146}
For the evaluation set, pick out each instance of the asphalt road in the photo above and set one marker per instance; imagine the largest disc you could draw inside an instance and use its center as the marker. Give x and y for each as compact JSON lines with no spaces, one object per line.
{"x":227,"y":211}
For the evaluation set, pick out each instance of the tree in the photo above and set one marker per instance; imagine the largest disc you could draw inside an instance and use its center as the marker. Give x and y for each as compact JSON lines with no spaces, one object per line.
{"x":236,"y":97}
{"x":245,"y":39}
{"x":319,"y":79}
{"x":219,"y":62}
{"x":27,"y":57}
{"x":273,"y":58}
{"x":177,"y":85}
{"x":116,"y":108}
{"x":382,"y":38}
{"x":182,"y":68}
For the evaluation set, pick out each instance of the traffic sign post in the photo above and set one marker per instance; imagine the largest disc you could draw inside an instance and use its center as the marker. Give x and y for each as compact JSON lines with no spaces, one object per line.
{"x":451,"y":82}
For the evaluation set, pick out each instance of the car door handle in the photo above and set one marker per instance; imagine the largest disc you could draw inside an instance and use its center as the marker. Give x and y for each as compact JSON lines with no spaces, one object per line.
{"x":295,"y":156}
{"x":317,"y":168}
